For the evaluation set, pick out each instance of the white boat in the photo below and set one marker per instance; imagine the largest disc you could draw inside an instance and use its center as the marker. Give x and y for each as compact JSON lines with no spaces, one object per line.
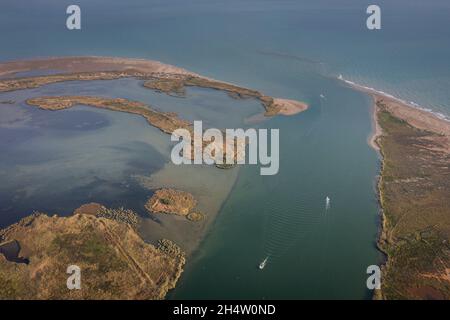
{"x":263,"y":264}
{"x":322,"y":96}
{"x":327,"y":202}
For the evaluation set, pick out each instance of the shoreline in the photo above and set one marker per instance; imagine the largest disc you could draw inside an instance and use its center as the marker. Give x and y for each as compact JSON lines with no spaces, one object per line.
{"x":387,"y":96}
{"x":376,"y":129}
{"x":157,"y":76}
{"x":414,"y":148}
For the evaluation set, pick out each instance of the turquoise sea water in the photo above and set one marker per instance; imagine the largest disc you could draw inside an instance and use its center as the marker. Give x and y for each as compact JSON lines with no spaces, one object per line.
{"x":292,"y":49}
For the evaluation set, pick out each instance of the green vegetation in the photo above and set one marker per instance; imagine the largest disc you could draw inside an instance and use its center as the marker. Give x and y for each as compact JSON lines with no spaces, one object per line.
{"x":91,"y":249}
{"x":172,"y":84}
{"x":195,"y":216}
{"x":414,"y":193}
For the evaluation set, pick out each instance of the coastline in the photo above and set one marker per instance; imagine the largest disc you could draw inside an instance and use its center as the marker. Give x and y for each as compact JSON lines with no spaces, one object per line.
{"x":385,"y":95}
{"x":418,"y":116}
{"x":158,"y":76}
{"x":414,"y":147}
{"x":17,"y":75}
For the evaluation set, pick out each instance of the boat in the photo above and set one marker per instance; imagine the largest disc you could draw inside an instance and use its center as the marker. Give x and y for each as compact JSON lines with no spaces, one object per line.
{"x":322,"y":96}
{"x":263,"y":264}
{"x":327,"y":202}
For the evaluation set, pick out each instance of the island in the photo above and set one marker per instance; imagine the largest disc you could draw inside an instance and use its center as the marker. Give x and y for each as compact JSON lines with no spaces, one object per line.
{"x":171,"y":201}
{"x":115,"y":262}
{"x":156,"y":76}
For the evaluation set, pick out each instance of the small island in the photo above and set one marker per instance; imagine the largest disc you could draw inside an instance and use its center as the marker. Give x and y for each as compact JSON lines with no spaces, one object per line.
{"x":177,"y":202}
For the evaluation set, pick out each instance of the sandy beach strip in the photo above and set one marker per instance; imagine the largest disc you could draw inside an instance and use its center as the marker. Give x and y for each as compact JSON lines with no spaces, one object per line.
{"x":413,"y":115}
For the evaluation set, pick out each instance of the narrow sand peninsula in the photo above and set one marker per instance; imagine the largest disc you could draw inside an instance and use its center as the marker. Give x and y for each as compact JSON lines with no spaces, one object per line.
{"x":158,"y":76}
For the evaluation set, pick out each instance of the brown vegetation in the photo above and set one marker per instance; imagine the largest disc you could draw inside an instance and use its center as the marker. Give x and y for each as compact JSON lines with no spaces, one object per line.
{"x":414,"y":194}
{"x":115,"y":262}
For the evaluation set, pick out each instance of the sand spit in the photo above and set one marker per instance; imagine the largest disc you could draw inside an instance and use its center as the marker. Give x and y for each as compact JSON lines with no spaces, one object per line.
{"x":159,"y":76}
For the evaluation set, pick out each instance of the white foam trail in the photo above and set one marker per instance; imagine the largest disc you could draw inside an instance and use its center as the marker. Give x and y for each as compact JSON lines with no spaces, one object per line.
{"x":409,"y":103}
